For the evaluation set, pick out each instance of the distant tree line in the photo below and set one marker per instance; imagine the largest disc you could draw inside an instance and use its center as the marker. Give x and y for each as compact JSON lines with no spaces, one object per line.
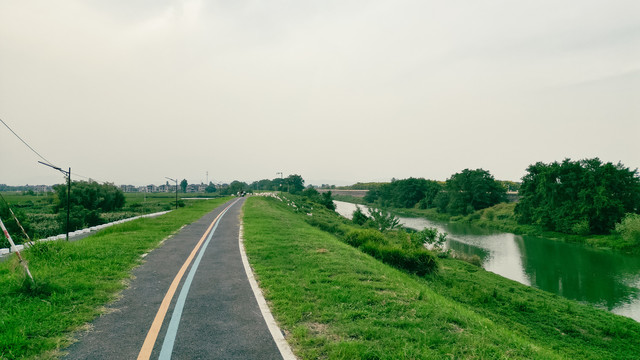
{"x":463,"y":193}
{"x":575,"y":197}
{"x":293,"y":184}
{"x":31,"y":189}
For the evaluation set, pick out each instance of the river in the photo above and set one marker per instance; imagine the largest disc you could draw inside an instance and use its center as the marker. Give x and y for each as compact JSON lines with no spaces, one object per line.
{"x":605,"y":279}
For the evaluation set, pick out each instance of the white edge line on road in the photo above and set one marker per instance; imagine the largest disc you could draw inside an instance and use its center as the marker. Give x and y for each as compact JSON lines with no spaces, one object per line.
{"x":283,"y":346}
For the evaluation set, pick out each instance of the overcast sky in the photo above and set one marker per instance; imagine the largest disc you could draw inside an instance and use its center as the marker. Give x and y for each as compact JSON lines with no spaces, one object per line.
{"x":336,"y":91}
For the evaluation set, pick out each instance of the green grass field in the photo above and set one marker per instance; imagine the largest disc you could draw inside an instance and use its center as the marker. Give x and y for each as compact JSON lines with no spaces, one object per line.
{"x":74,"y":280}
{"x":36,"y":212}
{"x":335,"y":302}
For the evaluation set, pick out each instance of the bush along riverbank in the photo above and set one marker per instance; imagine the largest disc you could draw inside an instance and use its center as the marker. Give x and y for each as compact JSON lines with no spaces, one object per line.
{"x":335,"y":301}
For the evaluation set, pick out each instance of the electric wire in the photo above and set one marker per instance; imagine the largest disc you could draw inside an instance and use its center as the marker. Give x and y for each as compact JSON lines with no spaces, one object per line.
{"x":43,"y":158}
{"x":24,"y":142}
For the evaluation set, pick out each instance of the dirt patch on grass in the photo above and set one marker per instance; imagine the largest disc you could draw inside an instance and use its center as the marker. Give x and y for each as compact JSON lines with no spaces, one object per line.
{"x":321,"y":330}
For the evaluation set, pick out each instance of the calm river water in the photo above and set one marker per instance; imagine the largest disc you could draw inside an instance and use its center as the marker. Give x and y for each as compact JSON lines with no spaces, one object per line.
{"x":605,"y":279}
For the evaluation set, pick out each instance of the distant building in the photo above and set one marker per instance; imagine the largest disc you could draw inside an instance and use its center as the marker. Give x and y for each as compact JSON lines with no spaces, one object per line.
{"x":42,"y":188}
{"x":128,"y":188}
{"x":148,"y":188}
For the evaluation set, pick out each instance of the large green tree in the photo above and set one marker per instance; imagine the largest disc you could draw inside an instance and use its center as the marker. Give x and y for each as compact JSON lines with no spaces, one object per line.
{"x":405,"y":193}
{"x":90,"y":195}
{"x":585,"y":196}
{"x":211,"y":188}
{"x":183,"y":185}
{"x":468,"y":191}
{"x":294,"y":184}
{"x":88,"y":200}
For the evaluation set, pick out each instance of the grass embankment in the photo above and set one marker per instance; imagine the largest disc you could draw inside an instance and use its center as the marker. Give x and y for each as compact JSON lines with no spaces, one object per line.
{"x":501,"y":217}
{"x":336,"y":302}
{"x":74,"y":280}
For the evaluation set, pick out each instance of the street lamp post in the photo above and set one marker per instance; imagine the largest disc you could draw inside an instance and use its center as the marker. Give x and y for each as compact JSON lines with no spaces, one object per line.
{"x":281,"y":177}
{"x":68,"y":175}
{"x":176,"y":181}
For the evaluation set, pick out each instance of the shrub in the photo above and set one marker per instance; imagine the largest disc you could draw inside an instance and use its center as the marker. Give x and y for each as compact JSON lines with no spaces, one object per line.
{"x":490,"y":214}
{"x":383,"y":221}
{"x":471,"y":259}
{"x":581,"y":228}
{"x":416,"y":261}
{"x":357,"y":238}
{"x":358,"y":217}
{"x":629,"y":228}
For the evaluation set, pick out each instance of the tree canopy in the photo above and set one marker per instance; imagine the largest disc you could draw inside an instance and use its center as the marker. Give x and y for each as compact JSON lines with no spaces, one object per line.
{"x":211,"y":188}
{"x":468,"y":191}
{"x":405,"y":193}
{"x":91,"y":196}
{"x":88,"y":201}
{"x":292,"y":183}
{"x":581,"y":197}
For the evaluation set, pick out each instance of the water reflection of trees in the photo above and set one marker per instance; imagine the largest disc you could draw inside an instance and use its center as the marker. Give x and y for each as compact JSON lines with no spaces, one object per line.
{"x":468,"y":249}
{"x":577,"y":273}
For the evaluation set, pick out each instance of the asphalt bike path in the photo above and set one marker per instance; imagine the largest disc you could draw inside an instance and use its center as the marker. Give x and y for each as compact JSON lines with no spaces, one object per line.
{"x":212,"y":313}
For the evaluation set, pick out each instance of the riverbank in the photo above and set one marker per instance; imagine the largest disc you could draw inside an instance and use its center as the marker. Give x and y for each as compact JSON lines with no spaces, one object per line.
{"x":501,"y":218}
{"x":333,"y":301}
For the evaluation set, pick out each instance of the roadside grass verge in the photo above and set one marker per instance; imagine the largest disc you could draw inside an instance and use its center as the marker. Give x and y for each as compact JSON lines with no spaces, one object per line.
{"x":75,"y":280}
{"x":335,"y":302}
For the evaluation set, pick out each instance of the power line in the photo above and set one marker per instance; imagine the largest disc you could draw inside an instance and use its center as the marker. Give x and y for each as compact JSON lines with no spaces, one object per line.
{"x":42,"y":157}
{"x":24,"y":142}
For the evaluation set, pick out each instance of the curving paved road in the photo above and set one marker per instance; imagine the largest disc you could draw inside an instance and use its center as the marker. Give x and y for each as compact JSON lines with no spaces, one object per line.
{"x":212,"y":315}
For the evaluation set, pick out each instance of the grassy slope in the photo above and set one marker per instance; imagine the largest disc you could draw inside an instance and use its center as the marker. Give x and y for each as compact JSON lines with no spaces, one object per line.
{"x":336,"y":302}
{"x":74,"y":280}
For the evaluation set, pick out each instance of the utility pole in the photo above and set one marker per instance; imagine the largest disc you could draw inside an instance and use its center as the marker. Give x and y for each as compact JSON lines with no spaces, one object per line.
{"x":280,"y":173}
{"x":176,"y":181}
{"x":68,"y":175}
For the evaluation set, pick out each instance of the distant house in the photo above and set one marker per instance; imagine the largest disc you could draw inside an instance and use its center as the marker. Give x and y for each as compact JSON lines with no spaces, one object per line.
{"x":149,"y":188}
{"x":195,"y":188}
{"x":128,"y":188}
{"x":43,"y":188}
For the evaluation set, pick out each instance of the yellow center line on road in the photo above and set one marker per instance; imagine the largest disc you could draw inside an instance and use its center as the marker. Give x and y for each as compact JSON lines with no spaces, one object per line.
{"x":154,"y":330}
